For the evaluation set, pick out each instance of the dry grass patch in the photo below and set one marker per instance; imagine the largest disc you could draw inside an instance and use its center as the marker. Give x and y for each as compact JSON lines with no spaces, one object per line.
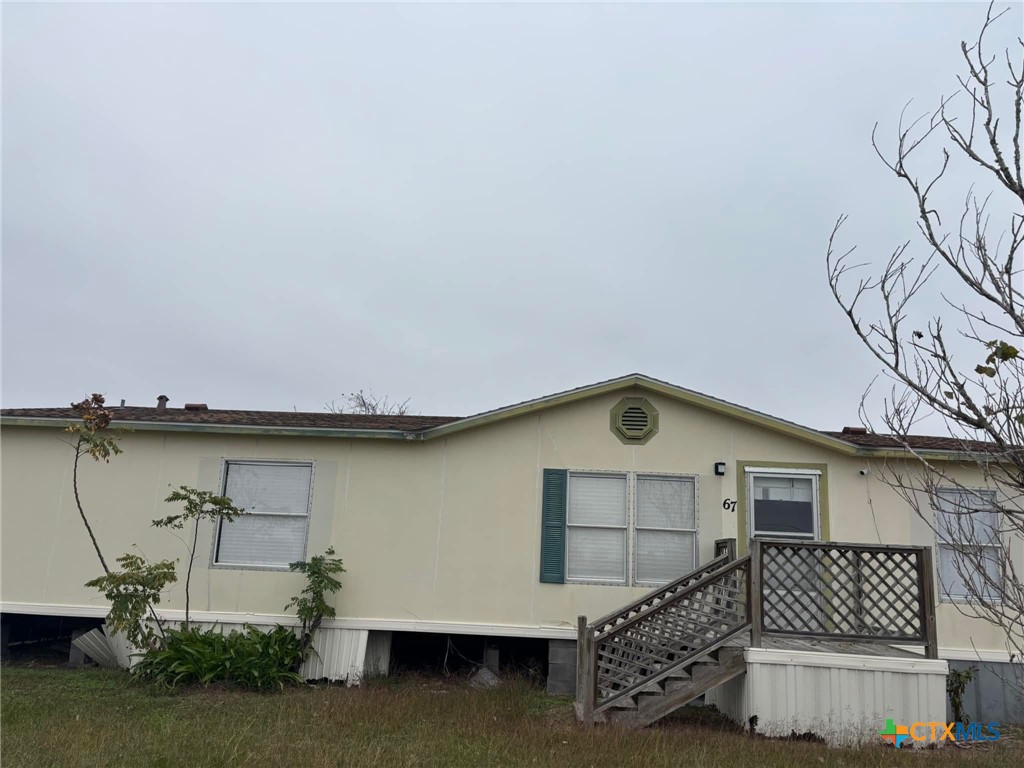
{"x":56,"y":717}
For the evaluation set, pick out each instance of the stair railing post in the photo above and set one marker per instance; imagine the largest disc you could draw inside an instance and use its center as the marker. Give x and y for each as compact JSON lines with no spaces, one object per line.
{"x":754,"y":603}
{"x":926,"y":594}
{"x":725,"y":547}
{"x":586,"y":668}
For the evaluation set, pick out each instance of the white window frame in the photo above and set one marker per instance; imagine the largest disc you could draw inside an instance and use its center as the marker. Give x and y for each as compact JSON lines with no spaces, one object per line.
{"x":813,"y":474}
{"x":214,"y":563}
{"x":630,"y":579}
{"x":940,"y":544}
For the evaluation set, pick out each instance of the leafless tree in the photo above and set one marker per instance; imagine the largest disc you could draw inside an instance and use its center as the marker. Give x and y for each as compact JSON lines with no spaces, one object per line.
{"x":368,"y":404}
{"x":969,"y":378}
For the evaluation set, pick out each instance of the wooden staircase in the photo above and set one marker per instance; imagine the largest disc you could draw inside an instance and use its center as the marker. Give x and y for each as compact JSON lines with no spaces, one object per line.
{"x":651,"y":657}
{"x":674,"y":644}
{"x":679,"y":688}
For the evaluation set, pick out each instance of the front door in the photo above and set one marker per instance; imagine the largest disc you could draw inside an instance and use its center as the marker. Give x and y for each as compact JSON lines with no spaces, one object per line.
{"x":784,"y":504}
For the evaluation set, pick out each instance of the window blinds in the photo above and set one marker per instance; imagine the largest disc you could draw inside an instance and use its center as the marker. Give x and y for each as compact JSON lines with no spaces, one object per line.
{"x":596,"y":529}
{"x":666,"y":522}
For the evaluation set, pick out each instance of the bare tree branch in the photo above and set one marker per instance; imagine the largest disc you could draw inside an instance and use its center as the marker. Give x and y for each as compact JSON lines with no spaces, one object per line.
{"x":368,"y":404}
{"x":980,"y":400}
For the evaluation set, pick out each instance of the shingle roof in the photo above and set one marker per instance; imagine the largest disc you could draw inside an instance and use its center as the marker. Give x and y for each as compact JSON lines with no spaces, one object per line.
{"x":246,"y":418}
{"x":921,"y":442}
{"x":403,"y":424}
{"x":850,"y":440}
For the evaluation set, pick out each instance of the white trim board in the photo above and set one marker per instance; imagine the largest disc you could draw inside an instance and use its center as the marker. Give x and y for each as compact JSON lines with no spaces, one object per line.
{"x":399,"y":625}
{"x":845,"y":661}
{"x":972,"y":654}
{"x":388,"y":625}
{"x":963,"y":654}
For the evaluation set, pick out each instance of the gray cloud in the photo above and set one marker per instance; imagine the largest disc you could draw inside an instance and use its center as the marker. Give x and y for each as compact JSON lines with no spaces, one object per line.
{"x":270,"y":205}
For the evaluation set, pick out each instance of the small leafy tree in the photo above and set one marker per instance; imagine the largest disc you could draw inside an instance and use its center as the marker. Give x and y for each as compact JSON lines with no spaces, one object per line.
{"x":199,"y":505}
{"x":311,"y":604}
{"x":132,"y":592}
{"x":92,"y":439}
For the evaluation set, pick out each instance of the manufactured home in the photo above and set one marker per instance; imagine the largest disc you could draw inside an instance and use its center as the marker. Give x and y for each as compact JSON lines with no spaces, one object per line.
{"x":605,"y":521}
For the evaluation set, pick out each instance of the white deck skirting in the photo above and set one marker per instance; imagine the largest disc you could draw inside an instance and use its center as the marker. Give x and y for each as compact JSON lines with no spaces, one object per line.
{"x":843,"y":698}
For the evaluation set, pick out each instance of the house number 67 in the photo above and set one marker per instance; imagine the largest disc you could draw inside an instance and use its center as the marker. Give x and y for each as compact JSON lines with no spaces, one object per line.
{"x":729,"y":505}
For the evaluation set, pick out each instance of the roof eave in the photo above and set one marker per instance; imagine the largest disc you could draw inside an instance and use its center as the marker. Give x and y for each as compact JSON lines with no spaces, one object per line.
{"x":230,"y":429}
{"x":697,"y":399}
{"x":931,"y":454}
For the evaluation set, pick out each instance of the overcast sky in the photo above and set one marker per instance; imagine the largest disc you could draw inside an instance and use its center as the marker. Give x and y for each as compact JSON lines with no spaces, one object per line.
{"x":267,"y":206}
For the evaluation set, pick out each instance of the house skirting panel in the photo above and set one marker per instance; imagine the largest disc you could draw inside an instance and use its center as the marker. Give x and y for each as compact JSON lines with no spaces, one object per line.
{"x":348,"y":654}
{"x":339,"y":655}
{"x":993,"y":695}
{"x":845,"y":699}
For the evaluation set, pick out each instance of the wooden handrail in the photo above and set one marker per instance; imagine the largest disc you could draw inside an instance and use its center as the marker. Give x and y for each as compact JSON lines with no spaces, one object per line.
{"x":671,"y":627}
{"x":680,"y":595}
{"x":807,"y":544}
{"x":666,"y":669}
{"x":656,"y":594}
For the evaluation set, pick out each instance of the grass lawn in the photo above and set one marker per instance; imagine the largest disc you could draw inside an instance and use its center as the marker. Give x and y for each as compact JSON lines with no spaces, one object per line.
{"x":57,"y":717}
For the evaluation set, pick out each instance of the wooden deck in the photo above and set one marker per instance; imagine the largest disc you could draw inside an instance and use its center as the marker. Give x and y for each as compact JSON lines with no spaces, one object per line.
{"x":824,"y":646}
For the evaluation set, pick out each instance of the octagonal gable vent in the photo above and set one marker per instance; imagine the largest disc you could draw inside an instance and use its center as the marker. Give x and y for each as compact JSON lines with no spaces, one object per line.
{"x":634,"y":420}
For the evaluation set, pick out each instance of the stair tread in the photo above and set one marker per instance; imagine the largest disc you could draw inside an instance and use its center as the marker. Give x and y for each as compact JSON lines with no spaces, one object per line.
{"x":625,"y":703}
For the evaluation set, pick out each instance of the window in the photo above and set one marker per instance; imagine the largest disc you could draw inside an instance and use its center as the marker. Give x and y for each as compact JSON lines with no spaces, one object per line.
{"x":272,"y":532}
{"x":666,"y":528}
{"x":783,"y":503}
{"x":596,"y":528}
{"x":967,"y":527}
{"x":629,"y":528}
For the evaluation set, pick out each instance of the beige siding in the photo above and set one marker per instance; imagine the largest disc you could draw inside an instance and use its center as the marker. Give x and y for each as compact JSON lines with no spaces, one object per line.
{"x":446,"y":530}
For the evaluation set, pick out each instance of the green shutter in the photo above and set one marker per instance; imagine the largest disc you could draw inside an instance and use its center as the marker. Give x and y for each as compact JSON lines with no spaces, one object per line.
{"x":552,"y":534}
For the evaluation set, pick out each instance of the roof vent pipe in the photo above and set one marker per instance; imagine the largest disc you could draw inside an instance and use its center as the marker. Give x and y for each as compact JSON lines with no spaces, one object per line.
{"x":161,"y":402}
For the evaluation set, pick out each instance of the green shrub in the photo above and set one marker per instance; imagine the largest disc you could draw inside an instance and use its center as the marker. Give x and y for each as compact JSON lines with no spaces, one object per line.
{"x":251,"y":659}
{"x":956,"y":684}
{"x":132,"y":593}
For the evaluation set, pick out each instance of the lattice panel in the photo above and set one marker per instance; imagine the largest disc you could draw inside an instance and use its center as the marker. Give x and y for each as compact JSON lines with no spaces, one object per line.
{"x":633,"y":650}
{"x":827,"y":590}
